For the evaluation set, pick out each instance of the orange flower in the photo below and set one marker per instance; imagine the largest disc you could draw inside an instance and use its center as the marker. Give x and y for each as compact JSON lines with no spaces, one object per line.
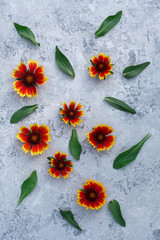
{"x":101,"y":65}
{"x":35,"y":139}
{"x":60,"y":165}
{"x":93,"y":195}
{"x":100,"y":137}
{"x":27,"y":79}
{"x":72,"y":114}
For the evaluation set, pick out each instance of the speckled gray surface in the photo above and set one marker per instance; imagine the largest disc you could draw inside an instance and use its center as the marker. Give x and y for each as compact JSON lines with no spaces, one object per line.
{"x":71,"y":26}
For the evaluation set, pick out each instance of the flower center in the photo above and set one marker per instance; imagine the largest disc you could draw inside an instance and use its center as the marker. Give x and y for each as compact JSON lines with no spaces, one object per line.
{"x":29,"y":79}
{"x":71,"y":114}
{"x":100,"y":137}
{"x":61,"y":165}
{"x":34,"y":138}
{"x":101,"y":65}
{"x":92,"y":195}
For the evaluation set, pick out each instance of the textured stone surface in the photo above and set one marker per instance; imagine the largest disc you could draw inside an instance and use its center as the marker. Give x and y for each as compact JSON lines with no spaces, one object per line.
{"x":71,"y":26}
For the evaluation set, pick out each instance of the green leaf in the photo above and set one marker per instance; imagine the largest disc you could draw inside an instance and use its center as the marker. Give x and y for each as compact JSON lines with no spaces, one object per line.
{"x":22,"y":112}
{"x":63,"y":63}
{"x":28,"y":186}
{"x":108,"y":24}
{"x":74,"y":145}
{"x":119,"y":105}
{"x":68,"y":216}
{"x":128,"y":156}
{"x":132,"y":71}
{"x":26,"y":32}
{"x":116,"y":211}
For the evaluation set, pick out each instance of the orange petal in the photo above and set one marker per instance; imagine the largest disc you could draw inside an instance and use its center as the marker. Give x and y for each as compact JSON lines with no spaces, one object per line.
{"x":106,"y":59}
{"x":68,"y":169}
{"x":40,"y":149}
{"x":95,"y":60}
{"x":40,"y":78}
{"x":24,"y":130}
{"x":40,"y":69}
{"x":105,"y":129}
{"x":43,"y":129}
{"x":29,"y":91}
{"x":68,"y":162}
{"x":17,"y":84}
{"x":92,"y":140}
{"x":65,"y":106}
{"x":72,"y":105}
{"x":109,"y":141}
{"x":65,"y":119}
{"x":100,"y":57}
{"x":22,"y":137}
{"x":100,"y":147}
{"x":56,"y":173}
{"x":93,"y":71}
{"x":22,"y":91}
{"x":64,"y":174}
{"x":79,"y":106}
{"x":53,"y":162}
{"x":80,"y":113}
{"x":46,"y":138}
{"x":44,"y":145}
{"x":33,"y":65}
{"x":101,"y":75}
{"x":26,"y":147}
{"x":35,"y":149}
{"x":34,"y":91}
{"x":62,"y":111}
{"x":17,"y":74}
{"x":51,"y":171}
{"x":63,"y":156}
{"x":34,"y":127}
{"x":75,"y":121}
{"x":22,"y":68}
{"x":57,"y":155}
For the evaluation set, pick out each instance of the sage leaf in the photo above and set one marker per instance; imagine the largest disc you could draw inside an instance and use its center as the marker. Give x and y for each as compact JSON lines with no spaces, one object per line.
{"x":23,"y":112}
{"x":74,"y":145}
{"x":128,"y":156}
{"x":116,"y":212}
{"x":108,"y":24}
{"x":63,"y":63}
{"x":26,"y":33}
{"x":119,"y":105}
{"x":132,"y":71}
{"x":68,"y":216}
{"x":28,"y":186}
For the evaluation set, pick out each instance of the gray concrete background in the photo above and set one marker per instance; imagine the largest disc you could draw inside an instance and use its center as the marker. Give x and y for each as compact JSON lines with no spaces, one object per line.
{"x":71,"y":26}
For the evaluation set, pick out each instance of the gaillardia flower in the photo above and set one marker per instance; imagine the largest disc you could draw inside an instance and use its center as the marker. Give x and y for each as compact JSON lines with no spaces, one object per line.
{"x":93,"y":195}
{"x":60,"y":165}
{"x":100,"y":137}
{"x":72,"y":113}
{"x":27,"y":80}
{"x":101,"y":65}
{"x":35,"y":138}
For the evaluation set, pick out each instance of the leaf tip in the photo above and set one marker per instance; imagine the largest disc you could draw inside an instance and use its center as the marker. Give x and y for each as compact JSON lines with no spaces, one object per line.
{"x":19,"y":202}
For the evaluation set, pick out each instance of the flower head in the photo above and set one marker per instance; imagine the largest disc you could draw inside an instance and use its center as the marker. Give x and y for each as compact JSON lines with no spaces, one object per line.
{"x":35,"y":138}
{"x":27,"y":79}
{"x":72,"y":113}
{"x":100,"y":137}
{"x":60,"y":165}
{"x":93,"y":195}
{"x":101,"y":65}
